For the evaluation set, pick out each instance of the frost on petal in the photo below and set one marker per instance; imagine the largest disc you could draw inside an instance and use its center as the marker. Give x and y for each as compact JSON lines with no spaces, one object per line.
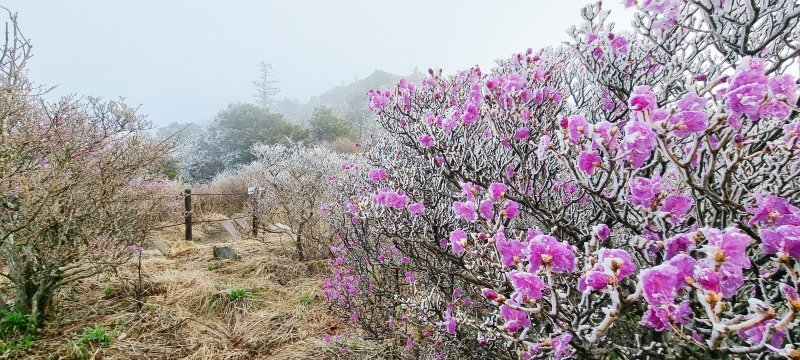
{"x":465,"y":210}
{"x":417,"y":208}
{"x":514,"y":319}
{"x":511,"y":210}
{"x":425,"y":141}
{"x":618,"y":260}
{"x":642,"y":99}
{"x":773,"y":210}
{"x":588,"y":161}
{"x":676,"y":206}
{"x":526,"y":284}
{"x":560,"y":346}
{"x":601,"y":231}
{"x":458,"y":238}
{"x":755,"y":334}
{"x":783,"y":239}
{"x":644,"y":190}
{"x":496,"y":190}
{"x":486,"y":208}
{"x":677,"y":244}
{"x":511,"y":251}
{"x":578,"y":128}
{"x":449,"y":322}
{"x":659,"y":284}
{"x":545,"y":250}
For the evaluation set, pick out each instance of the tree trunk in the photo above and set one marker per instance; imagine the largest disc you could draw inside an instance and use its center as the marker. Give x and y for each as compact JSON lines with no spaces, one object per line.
{"x":35,"y":299}
{"x":299,"y":242}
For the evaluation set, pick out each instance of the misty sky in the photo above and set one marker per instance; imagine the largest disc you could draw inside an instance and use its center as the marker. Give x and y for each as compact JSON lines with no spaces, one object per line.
{"x":185,"y":60}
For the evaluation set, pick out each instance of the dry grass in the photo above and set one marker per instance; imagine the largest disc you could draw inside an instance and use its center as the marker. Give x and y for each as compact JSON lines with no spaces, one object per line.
{"x":189,"y":310}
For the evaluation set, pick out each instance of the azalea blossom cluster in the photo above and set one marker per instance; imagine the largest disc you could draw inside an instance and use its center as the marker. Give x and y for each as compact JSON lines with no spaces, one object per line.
{"x":630,"y":193}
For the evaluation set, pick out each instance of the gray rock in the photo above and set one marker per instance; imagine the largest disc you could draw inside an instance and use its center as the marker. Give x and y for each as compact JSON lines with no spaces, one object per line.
{"x":162,"y":246}
{"x":225,"y":253}
{"x":228,"y":226}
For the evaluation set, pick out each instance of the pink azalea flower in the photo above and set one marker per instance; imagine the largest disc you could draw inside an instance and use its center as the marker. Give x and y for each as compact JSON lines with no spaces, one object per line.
{"x":458,"y":238}
{"x":526,"y":285}
{"x":390,"y":198}
{"x":726,"y":247}
{"x":755,"y":335}
{"x":685,"y":265}
{"x":522,"y":134}
{"x":449,"y":322}
{"x":775,"y":211}
{"x":471,"y":114}
{"x":601,"y":231}
{"x":425,"y":141}
{"x":496,"y":190}
{"x":644,"y":190}
{"x":490,"y":294}
{"x":595,"y":279}
{"x":378,"y":100}
{"x":790,"y":293}
{"x":617,"y":259}
{"x":659,"y":284}
{"x":545,"y":250}
{"x":515,"y":319}
{"x":560,"y":346}
{"x":690,"y":118}
{"x":465,"y":210}
{"x":677,"y":206}
{"x":639,"y":142}
{"x":642,"y":99}
{"x":708,"y":279}
{"x":486,"y":208}
{"x":410,"y":277}
{"x":588,"y":161}
{"x":660,"y":317}
{"x":606,"y":136}
{"x":511,"y":210}
{"x":377,"y":175}
{"x":578,"y":128}
{"x":619,"y":45}
{"x":678,"y":244}
{"x":511,"y":251}
{"x":468,"y":191}
{"x":726,"y":252}
{"x":783,"y":239}
{"x":791,"y":133}
{"x":417,"y":208}
{"x":755,"y":95}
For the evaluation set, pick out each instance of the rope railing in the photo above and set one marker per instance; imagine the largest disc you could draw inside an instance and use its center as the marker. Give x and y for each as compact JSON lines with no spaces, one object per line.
{"x":187,"y":211}
{"x":212,"y":194}
{"x":196,"y":222}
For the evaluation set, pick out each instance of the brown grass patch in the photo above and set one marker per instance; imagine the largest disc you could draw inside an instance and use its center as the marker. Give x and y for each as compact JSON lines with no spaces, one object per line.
{"x":188,"y":311}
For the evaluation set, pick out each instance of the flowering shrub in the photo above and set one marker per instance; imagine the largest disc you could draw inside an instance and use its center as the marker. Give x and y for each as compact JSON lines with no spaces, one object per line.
{"x":78,"y":185}
{"x":289,"y":186}
{"x":627,"y":194}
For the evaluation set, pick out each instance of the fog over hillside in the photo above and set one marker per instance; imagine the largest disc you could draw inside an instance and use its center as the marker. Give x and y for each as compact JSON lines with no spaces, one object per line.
{"x":184,"y":61}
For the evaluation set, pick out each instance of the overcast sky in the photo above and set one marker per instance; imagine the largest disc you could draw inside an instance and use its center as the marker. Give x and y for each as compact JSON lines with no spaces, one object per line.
{"x":186,"y":60}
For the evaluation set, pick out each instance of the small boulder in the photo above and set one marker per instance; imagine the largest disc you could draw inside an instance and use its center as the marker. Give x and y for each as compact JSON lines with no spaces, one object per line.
{"x":225,"y":253}
{"x":162,"y":246}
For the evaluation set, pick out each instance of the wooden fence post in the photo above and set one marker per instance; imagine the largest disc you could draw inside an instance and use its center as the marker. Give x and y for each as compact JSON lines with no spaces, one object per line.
{"x":187,"y":212}
{"x":255,"y":212}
